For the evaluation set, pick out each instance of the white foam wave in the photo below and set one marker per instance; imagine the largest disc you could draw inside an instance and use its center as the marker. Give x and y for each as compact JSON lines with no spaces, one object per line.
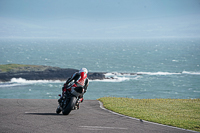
{"x":118,"y":77}
{"x":8,"y":84}
{"x":157,"y":73}
{"x":24,"y":81}
{"x":20,"y":81}
{"x":118,"y":74}
{"x":168,"y":73}
{"x":113,"y":79}
{"x":110,"y":77}
{"x":192,"y":73}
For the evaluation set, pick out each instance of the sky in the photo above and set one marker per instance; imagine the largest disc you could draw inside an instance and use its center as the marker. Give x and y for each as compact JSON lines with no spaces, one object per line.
{"x":99,"y":19}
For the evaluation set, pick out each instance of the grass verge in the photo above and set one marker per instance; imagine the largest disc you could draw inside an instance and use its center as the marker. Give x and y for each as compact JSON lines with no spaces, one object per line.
{"x":8,"y":67}
{"x":182,"y":113}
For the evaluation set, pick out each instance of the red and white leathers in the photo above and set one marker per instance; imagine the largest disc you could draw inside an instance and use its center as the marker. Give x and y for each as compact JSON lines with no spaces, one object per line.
{"x":80,"y":80}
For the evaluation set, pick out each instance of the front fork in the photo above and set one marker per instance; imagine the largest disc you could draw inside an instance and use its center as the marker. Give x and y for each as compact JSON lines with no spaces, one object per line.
{"x":63,"y":103}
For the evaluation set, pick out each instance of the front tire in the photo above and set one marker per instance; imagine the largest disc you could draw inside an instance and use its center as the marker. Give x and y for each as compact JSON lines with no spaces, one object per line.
{"x":58,"y":110}
{"x":70,"y":106}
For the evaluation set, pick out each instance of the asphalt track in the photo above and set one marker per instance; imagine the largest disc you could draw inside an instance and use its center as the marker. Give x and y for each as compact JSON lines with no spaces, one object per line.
{"x":38,"y":116}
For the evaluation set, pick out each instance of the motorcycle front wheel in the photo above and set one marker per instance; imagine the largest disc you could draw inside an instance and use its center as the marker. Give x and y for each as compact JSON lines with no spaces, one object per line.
{"x":58,"y":110}
{"x":70,"y":106}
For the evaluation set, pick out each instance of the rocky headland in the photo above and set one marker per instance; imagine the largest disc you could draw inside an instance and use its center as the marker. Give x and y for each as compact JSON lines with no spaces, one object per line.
{"x":33,"y":72}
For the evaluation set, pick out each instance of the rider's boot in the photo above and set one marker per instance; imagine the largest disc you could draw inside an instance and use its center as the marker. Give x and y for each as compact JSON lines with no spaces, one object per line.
{"x":78,"y":103}
{"x":78,"y":106}
{"x":81,"y":100}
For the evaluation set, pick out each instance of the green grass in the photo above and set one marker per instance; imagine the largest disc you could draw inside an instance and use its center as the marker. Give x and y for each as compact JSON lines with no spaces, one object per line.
{"x":183,"y":113}
{"x":8,"y":67}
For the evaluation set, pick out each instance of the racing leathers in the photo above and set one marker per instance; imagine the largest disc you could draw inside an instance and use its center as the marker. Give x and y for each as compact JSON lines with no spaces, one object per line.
{"x":80,"y":80}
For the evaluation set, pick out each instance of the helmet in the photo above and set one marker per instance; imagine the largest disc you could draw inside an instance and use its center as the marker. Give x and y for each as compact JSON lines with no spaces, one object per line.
{"x":83,"y":70}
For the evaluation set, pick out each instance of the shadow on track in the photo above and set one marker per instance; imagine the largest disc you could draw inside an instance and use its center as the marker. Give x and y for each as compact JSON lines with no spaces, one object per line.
{"x":42,"y":113}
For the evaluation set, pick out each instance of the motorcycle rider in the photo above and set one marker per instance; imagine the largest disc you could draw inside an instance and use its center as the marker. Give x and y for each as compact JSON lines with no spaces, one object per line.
{"x":80,"y":80}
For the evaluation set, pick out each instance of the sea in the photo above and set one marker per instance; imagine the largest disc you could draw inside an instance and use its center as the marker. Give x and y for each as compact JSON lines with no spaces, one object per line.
{"x":165,"y":67}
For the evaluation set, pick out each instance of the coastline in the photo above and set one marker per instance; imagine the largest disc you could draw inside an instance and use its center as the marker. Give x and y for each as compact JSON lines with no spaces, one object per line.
{"x":40,"y":72}
{"x":30,"y":72}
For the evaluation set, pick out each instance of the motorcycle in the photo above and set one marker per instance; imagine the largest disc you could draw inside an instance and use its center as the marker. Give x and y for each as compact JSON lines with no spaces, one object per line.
{"x":70,"y":99}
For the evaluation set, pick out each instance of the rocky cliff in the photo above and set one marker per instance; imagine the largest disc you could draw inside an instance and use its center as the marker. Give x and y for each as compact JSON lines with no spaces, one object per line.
{"x":30,"y":72}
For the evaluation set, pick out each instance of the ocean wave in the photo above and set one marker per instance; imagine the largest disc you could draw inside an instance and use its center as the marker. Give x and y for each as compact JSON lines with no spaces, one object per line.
{"x":116,"y":79}
{"x":109,"y":77}
{"x":119,"y":77}
{"x":157,"y":73}
{"x":192,"y":73}
{"x":168,"y":73}
{"x":8,"y":84}
{"x":24,"y":81}
{"x":20,"y":81}
{"x":139,"y":73}
{"x":118,"y":74}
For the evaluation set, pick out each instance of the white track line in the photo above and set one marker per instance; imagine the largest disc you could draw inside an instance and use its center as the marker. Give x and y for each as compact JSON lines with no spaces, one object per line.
{"x":101,"y":106}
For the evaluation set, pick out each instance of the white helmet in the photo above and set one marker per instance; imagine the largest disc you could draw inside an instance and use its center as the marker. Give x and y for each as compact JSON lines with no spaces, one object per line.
{"x":83,"y":70}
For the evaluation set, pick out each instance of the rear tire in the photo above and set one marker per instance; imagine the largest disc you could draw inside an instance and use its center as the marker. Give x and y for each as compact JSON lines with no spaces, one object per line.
{"x":70,"y":106}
